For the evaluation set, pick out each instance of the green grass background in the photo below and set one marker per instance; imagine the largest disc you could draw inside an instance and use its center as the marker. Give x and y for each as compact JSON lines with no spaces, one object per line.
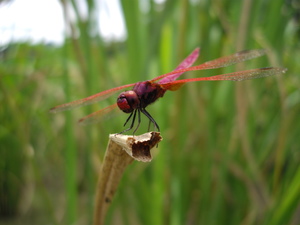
{"x":231,"y":150}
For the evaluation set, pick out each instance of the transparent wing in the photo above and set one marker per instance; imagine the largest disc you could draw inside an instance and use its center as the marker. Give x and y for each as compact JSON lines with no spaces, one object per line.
{"x":220,"y":62}
{"x":99,"y":115}
{"x":89,"y":100}
{"x":235,"y":76}
{"x":187,"y":62}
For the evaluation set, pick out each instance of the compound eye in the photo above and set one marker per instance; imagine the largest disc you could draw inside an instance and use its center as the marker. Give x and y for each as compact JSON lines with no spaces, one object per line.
{"x":128,"y":101}
{"x":123,"y":104}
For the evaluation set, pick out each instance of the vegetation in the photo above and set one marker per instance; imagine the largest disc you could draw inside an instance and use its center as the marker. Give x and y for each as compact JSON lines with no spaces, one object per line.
{"x":230,"y":153}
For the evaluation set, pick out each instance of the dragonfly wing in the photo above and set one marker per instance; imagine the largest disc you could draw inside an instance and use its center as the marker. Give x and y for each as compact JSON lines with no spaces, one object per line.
{"x":235,"y":76}
{"x":233,"y":59}
{"x":89,"y":100}
{"x":187,"y":62}
{"x":99,"y":115}
{"x":220,"y":62}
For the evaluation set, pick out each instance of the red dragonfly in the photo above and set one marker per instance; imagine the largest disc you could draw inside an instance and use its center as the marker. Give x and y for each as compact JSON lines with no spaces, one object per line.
{"x":145,"y":93}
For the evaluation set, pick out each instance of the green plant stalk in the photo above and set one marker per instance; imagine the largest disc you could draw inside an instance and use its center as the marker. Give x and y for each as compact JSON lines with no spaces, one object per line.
{"x":70,"y":162}
{"x":70,"y":152}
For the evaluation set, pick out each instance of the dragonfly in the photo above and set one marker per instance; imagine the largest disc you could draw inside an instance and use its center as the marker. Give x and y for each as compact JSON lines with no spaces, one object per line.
{"x":144,"y":93}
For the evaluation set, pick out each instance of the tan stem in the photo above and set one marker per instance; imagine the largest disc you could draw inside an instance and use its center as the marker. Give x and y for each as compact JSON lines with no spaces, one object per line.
{"x":120,"y":152}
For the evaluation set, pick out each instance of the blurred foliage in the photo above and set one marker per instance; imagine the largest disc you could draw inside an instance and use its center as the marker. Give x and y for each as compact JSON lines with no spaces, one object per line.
{"x":230,"y":153}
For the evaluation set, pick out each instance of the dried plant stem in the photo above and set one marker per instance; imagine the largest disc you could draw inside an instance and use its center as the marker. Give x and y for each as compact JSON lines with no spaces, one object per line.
{"x":115,"y":162}
{"x":120,"y":152}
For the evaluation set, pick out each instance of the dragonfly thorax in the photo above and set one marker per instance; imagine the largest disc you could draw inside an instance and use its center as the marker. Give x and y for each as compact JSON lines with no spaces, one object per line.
{"x":128,"y":101}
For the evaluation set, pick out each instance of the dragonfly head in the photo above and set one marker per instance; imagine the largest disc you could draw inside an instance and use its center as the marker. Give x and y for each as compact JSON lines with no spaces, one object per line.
{"x":128,"y":101}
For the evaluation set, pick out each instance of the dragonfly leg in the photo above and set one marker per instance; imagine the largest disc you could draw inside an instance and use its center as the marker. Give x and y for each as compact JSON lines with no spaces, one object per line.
{"x":139,"y":121}
{"x":132,"y":123}
{"x":128,"y":118}
{"x":150,"y":118}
